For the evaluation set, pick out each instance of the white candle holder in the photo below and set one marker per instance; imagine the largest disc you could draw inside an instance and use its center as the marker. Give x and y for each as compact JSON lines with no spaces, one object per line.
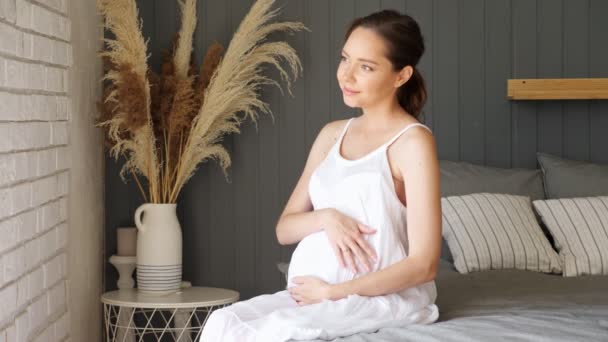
{"x":125,"y":266}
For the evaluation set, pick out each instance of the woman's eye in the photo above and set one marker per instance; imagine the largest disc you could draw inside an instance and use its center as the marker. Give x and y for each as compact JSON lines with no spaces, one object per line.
{"x":367,"y":68}
{"x":342,"y":58}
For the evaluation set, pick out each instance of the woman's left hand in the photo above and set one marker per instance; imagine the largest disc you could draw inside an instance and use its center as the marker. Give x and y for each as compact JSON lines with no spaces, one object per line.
{"x":309,"y":290}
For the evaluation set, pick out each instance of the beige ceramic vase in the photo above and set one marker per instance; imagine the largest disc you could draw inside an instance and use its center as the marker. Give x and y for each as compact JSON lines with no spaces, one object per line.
{"x":159,"y":248}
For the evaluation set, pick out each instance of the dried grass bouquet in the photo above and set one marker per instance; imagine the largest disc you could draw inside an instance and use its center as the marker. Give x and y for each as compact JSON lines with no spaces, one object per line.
{"x":165,"y":124}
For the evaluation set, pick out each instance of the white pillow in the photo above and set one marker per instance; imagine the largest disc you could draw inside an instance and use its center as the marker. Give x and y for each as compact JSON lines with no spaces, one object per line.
{"x":579,"y":227}
{"x":487,"y":231}
{"x":283,"y":268}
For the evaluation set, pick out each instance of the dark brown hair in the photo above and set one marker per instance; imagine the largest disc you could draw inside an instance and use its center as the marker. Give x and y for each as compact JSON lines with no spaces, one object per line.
{"x":405,"y":46}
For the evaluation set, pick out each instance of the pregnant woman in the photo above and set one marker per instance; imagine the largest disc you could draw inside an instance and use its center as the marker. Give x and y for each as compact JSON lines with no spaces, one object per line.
{"x":358,"y":266}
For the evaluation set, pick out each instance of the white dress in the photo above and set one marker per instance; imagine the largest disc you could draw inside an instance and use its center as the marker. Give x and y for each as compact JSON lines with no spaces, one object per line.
{"x":362,"y":189}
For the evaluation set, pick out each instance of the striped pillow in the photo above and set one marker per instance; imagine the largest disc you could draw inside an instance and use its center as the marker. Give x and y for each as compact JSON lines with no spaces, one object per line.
{"x":579,"y":227}
{"x":487,"y":231}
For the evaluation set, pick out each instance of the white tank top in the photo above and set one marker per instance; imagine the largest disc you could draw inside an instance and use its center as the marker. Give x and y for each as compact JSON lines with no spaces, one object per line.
{"x":364,"y":190}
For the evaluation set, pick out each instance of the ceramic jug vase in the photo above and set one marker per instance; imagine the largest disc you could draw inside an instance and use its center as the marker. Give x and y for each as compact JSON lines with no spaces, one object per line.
{"x":159,"y":248}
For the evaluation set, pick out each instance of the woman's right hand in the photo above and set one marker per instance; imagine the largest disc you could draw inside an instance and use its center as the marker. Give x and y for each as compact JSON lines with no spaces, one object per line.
{"x":345,"y":236}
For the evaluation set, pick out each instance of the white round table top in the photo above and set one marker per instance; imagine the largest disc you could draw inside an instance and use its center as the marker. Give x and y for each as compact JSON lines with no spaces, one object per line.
{"x":189,"y":297}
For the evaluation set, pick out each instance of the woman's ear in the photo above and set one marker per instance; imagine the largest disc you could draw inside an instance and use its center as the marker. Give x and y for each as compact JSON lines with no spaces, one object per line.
{"x":404,"y":75}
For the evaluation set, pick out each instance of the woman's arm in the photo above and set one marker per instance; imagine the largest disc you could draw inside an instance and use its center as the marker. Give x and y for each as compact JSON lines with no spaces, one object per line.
{"x":415,"y":155}
{"x":404,"y":274}
{"x":298,"y":219}
{"x":292,"y":228}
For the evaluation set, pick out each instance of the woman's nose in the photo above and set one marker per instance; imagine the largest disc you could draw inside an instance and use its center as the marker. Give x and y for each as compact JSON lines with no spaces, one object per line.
{"x":347,"y":73}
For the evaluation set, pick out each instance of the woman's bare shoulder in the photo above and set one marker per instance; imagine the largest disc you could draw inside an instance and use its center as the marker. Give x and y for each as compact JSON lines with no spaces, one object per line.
{"x":334,"y":128}
{"x":326,"y":138}
{"x":330,"y":132}
{"x":414,"y":148}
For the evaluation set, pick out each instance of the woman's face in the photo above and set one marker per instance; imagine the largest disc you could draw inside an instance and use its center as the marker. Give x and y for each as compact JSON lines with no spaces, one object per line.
{"x":366,"y":77}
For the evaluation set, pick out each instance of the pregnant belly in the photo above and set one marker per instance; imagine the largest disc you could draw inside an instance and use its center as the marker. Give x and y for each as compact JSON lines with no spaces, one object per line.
{"x":314,"y":256}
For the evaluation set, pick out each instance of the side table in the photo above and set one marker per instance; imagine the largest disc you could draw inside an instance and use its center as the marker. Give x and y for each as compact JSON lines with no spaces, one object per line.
{"x":128,"y":312}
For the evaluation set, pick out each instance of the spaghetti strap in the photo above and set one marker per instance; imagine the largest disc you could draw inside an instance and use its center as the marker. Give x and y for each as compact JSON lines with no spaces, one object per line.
{"x":403,"y":131}
{"x":344,"y":129}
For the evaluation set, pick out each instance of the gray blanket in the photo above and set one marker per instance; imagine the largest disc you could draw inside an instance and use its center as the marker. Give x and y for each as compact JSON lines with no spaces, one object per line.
{"x":509,"y":305}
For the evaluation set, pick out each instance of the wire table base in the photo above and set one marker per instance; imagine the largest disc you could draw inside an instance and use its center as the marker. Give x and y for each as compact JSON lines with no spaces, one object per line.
{"x":134,"y":316}
{"x":126,"y":324}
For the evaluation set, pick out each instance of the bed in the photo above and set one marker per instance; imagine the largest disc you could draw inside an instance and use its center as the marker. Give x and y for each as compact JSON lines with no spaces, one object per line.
{"x":509,"y":305}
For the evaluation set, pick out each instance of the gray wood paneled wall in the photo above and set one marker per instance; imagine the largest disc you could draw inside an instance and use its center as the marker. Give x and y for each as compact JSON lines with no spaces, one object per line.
{"x":472,"y":48}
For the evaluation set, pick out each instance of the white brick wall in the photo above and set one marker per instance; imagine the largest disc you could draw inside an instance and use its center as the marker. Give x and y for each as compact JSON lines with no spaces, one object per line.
{"x":35,"y":56}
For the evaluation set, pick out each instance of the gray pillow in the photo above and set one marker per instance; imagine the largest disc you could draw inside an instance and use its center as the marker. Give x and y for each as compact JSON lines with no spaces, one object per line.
{"x":463,"y":178}
{"x":566,"y":178}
